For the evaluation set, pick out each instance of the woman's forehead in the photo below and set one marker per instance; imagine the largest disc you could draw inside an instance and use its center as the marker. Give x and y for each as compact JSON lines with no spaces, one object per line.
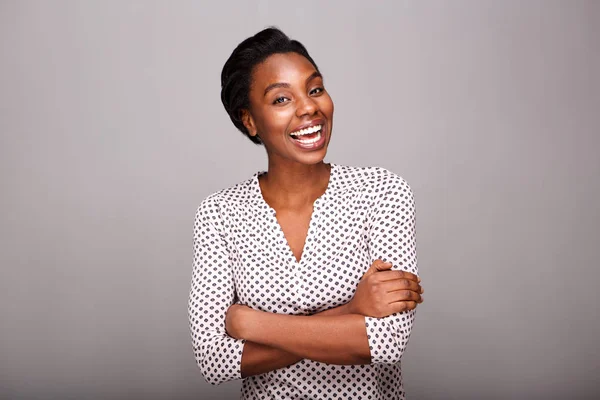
{"x":283,"y":67}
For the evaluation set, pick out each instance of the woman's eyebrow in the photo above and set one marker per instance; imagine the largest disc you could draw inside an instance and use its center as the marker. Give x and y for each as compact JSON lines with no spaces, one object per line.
{"x":314,"y":75}
{"x":276,"y":85}
{"x":272,"y":86}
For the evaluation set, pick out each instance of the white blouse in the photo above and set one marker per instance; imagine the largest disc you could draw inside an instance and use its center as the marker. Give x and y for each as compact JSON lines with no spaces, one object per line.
{"x":242,"y":256}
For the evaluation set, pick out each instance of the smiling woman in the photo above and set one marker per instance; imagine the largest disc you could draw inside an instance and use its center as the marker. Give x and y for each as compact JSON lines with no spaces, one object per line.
{"x":293,"y":102}
{"x":304,"y":281}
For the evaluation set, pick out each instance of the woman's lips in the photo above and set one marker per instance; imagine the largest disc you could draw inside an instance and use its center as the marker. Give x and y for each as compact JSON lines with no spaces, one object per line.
{"x":314,"y":141}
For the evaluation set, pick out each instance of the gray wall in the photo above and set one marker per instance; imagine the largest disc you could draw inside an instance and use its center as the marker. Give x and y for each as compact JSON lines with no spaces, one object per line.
{"x":112,"y":132}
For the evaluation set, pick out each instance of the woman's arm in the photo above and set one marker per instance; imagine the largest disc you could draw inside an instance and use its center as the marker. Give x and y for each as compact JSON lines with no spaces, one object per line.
{"x":333,"y":339}
{"x":259,"y":358}
{"x":212,"y":291}
{"x":392,"y":238}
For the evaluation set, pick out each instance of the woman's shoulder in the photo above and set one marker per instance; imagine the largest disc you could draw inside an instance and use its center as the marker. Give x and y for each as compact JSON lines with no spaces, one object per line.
{"x":373,"y":178}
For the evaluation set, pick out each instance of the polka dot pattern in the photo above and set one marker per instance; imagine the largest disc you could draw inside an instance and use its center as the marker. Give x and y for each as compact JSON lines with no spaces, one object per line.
{"x":241,"y":256}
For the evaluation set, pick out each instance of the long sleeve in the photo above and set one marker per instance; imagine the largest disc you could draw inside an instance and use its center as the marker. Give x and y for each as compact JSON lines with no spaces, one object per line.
{"x":392,"y":238}
{"x":217,"y":354}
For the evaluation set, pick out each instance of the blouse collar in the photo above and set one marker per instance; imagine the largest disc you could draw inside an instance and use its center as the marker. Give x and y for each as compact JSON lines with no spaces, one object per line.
{"x":257,"y":198}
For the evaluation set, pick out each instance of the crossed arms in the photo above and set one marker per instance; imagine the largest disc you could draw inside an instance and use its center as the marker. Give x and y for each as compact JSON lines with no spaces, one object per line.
{"x":256,"y":342}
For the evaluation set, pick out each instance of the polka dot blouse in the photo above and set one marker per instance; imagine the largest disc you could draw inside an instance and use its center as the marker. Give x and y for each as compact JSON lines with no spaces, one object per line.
{"x":241,"y":256}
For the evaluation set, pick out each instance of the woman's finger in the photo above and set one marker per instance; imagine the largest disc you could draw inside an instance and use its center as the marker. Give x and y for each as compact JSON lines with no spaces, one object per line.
{"x":403,"y":295}
{"x":401,"y":284}
{"x":395,"y":274}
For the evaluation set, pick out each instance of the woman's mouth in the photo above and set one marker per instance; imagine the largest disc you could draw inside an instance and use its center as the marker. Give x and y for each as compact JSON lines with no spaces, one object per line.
{"x":309,"y":138}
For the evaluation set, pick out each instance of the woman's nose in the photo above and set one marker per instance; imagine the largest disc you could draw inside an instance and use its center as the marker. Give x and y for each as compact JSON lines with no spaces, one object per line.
{"x":306,"y":106}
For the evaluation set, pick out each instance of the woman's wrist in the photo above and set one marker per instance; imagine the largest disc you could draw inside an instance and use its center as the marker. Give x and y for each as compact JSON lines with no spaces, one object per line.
{"x":349,"y":309}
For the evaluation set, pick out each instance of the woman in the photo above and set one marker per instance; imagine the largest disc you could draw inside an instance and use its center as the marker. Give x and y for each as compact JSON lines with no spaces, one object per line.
{"x":304,"y":280}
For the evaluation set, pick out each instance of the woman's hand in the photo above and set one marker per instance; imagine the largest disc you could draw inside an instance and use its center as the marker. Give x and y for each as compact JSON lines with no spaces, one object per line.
{"x":382,"y":292}
{"x":234,"y":320}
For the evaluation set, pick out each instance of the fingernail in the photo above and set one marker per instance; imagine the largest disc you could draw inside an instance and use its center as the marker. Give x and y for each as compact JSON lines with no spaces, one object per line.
{"x":419,"y":279}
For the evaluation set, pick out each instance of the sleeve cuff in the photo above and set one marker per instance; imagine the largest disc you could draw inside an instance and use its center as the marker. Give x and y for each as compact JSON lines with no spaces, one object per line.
{"x":224,"y":362}
{"x":386,"y":343}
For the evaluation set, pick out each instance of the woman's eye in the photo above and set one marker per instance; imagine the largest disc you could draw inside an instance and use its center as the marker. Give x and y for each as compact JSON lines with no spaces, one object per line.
{"x":279,"y":100}
{"x":316,"y":90}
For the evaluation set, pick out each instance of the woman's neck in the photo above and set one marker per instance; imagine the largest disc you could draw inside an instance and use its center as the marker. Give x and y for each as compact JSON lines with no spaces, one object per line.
{"x":295,"y":185}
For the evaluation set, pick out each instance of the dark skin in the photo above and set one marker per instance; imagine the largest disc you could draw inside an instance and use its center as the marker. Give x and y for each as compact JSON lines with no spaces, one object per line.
{"x":286,"y":92}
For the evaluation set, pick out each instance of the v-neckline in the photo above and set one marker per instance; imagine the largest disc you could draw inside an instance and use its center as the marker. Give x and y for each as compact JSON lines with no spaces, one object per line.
{"x":313,"y":216}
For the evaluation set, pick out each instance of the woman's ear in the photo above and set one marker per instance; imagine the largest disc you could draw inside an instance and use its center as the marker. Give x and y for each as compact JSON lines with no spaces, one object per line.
{"x":248,"y":122}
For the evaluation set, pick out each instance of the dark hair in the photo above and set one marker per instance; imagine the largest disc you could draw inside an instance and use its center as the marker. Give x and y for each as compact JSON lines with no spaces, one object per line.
{"x":237,"y":72}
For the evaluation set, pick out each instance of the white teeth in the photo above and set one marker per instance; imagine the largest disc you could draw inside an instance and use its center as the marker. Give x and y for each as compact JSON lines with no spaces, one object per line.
{"x":309,"y":141}
{"x":307,"y":131}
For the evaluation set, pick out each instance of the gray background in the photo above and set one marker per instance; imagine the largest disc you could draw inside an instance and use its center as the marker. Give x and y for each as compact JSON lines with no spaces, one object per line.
{"x":113,"y":132}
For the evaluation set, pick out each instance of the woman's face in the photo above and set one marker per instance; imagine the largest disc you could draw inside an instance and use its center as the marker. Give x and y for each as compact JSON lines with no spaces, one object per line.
{"x":290,"y":109}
